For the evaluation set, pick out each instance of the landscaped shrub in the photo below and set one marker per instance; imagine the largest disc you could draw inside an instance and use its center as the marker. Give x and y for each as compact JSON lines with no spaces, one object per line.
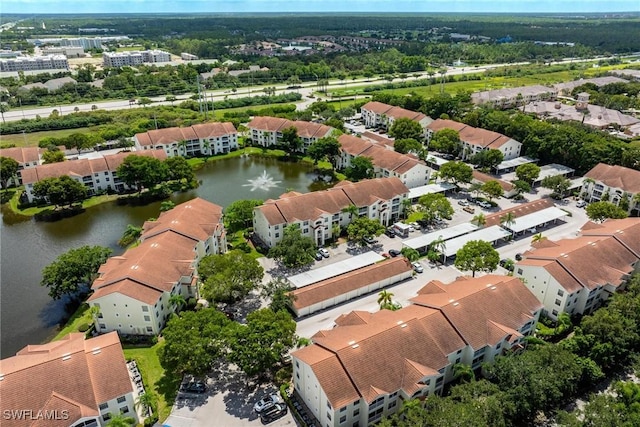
{"x":84,"y":327}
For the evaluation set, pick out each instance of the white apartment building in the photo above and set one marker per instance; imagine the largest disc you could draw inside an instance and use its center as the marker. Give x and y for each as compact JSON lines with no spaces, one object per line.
{"x":134,"y":57}
{"x":370,"y":363}
{"x":133,"y":291}
{"x":68,"y":51}
{"x":475,"y":140}
{"x":387,"y":163}
{"x":202,"y":139}
{"x":267,"y":131}
{"x":612,"y":183}
{"x":73,"y":381}
{"x":27,"y":157}
{"x":317,"y":213}
{"x":96,"y":174}
{"x":379,"y":115}
{"x":30,"y":63}
{"x":576,"y":276}
{"x":514,"y":97}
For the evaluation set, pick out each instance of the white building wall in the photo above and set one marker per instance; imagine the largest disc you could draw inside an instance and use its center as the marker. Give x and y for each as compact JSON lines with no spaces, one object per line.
{"x":113,"y":407}
{"x":417,"y":176}
{"x":127,"y":316}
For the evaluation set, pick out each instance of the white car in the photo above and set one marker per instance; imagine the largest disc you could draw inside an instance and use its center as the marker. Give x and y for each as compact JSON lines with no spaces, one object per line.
{"x":417,"y":267}
{"x":581,"y":204}
{"x":266,"y":403}
{"x":324,"y":252}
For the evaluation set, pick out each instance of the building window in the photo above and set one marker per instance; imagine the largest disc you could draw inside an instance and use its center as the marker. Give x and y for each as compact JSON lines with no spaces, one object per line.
{"x":103,"y":406}
{"x":343,"y":409}
{"x":558,"y":302}
{"x":106,"y":417}
{"x":124,"y":410}
{"x":122,"y":399}
{"x":147,"y":318}
{"x":328,"y":405}
{"x":554,"y":312}
{"x":356,"y":412}
{"x":520,"y":271}
{"x":149,"y":329}
{"x":560,"y":292}
{"x":329,"y":415}
{"x":392,"y":404}
{"x":102,"y":326}
{"x":343,"y":419}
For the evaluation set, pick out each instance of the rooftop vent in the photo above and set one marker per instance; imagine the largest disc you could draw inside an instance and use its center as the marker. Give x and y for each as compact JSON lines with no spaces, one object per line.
{"x":352,"y":342}
{"x":1,"y":377}
{"x":399,"y":322}
{"x":451,"y":300}
{"x":355,"y":346}
{"x":66,"y":356}
{"x":493,"y":288}
{"x":404,"y":325}
{"x":96,"y":350}
{"x":455,"y":304}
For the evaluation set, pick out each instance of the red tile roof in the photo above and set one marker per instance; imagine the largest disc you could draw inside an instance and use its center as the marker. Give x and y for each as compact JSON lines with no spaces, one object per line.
{"x":616,"y":176}
{"x":380,"y":156}
{"x":483,"y":177}
{"x":170,"y":135}
{"x":21,"y":154}
{"x":474,"y":136}
{"x":305,"y":129}
{"x":72,"y":374}
{"x":392,"y":111}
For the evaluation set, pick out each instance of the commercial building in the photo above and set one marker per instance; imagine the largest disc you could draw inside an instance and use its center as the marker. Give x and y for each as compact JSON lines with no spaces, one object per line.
{"x":321,"y":213}
{"x":203,"y":139}
{"x":387,"y":163}
{"x":267,"y":131}
{"x":370,"y":363}
{"x":576,"y":276}
{"x":133,"y":291}
{"x":617,"y":184}
{"x":70,"y":382}
{"x":475,"y":140}
{"x":97,"y":174}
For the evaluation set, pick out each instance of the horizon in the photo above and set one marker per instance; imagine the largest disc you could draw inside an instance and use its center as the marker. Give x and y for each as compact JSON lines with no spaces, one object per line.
{"x":191,"y":7}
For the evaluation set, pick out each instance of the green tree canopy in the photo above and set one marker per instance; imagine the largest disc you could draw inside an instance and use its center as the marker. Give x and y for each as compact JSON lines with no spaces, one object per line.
{"x":487,"y":158}
{"x":446,"y":141}
{"x":361,"y":168}
{"x":324,"y":148}
{"x":477,"y":255}
{"x":193,"y":341}
{"x":178,"y":169}
{"x":599,"y":211}
{"x":8,"y":170}
{"x":528,"y":172}
{"x":239,"y":214}
{"x":294,"y":250}
{"x":492,"y":189}
{"x":260,"y":344}
{"x":55,"y":156}
{"x":62,"y":191}
{"x":73,"y":270}
{"x":79,"y":141}
{"x":405,"y":128}
{"x":229,"y":277}
{"x":407,"y":145}
{"x":434,"y":206}
{"x":291,"y":139}
{"x":278,"y":292}
{"x":142,"y":172}
{"x":558,"y":184}
{"x":364,"y":227}
{"x":456,"y":172}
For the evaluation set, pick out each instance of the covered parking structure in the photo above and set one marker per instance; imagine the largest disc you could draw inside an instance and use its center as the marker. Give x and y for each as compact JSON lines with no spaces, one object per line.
{"x":532,"y":221}
{"x":421,"y":243}
{"x":440,"y":187}
{"x":341,"y":267}
{"x":490,"y":234}
{"x":510,"y":165}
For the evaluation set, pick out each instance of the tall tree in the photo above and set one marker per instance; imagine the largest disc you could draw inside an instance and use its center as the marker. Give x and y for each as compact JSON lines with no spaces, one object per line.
{"x":408,"y":145}
{"x":294,"y":250}
{"x":492,"y":189}
{"x":62,"y":191}
{"x":528,"y":172}
{"x":405,"y":128}
{"x":229,"y":277}
{"x":487,"y":158}
{"x":291,"y":139}
{"x":457,"y":172}
{"x":479,"y":219}
{"x":73,"y":271}
{"x":599,"y":211}
{"x":324,"y":148}
{"x":364,"y":227}
{"x":446,"y":141}
{"x":8,"y":170}
{"x":239,"y":214}
{"x":558,"y":184}
{"x":508,"y":219}
{"x":278,"y":292}
{"x":79,"y":141}
{"x":434,"y":206}
{"x":178,"y":169}
{"x":142,"y":172}
{"x":361,"y":168}
{"x":477,"y":255}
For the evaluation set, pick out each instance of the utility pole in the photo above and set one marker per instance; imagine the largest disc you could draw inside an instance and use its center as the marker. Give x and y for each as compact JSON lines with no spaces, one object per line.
{"x":199,"y":94}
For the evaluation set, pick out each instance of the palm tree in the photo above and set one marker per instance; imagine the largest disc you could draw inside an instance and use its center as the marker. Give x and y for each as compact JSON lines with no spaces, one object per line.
{"x":563,"y":323}
{"x":463,"y":372}
{"x":480,"y":220}
{"x":409,"y":406}
{"x":508,"y":219}
{"x":406,"y":207}
{"x":410,"y":254}
{"x":177,"y":300}
{"x":537,"y":238}
{"x":147,"y":402}
{"x":385,"y":299}
{"x":206,"y":146}
{"x":3,"y":109}
{"x":182,"y":145}
{"x":121,"y":421}
{"x":351,"y":210}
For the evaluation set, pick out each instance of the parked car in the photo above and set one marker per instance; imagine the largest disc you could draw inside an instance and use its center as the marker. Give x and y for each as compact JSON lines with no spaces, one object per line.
{"x":506,"y":264}
{"x":394,"y":252}
{"x":415,"y":225}
{"x":266,"y":403}
{"x":463,"y":203}
{"x":385,"y":255}
{"x":581,"y":204}
{"x":484,"y":205}
{"x":417,"y":267}
{"x":390,"y":232}
{"x":472,"y":199}
{"x":469,"y":209}
{"x":195,"y":387}
{"x":273,"y":413}
{"x":318,"y":256}
{"x":518,"y":257}
{"x":323,"y":252}
{"x":370,"y":240}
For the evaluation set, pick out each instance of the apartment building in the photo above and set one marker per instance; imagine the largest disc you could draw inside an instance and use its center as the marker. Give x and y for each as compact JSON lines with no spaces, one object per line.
{"x":514,"y":97}
{"x":267,"y":131}
{"x":576,"y":276}
{"x":27,"y":157}
{"x":387,"y":163}
{"x":30,"y":63}
{"x":97,"y":174}
{"x":196,"y":140}
{"x":475,"y":140}
{"x":133,"y":291}
{"x":614,"y":184}
{"x":134,"y":57}
{"x":379,"y":115}
{"x":319,"y":212}
{"x":70,"y":382}
{"x":369,"y":363}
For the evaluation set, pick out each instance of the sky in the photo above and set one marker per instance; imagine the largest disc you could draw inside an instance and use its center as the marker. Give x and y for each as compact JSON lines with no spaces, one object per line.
{"x":300,"y":6}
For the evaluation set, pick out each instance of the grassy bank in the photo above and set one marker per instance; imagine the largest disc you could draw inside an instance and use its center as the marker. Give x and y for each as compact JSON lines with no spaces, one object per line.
{"x":32,"y":139}
{"x":80,"y":317}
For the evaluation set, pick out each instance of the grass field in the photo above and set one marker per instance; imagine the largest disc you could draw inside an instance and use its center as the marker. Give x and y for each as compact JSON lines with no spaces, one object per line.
{"x":32,"y":139}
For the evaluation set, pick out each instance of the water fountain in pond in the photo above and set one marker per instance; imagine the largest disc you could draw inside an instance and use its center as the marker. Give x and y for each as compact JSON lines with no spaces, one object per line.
{"x":262,"y":182}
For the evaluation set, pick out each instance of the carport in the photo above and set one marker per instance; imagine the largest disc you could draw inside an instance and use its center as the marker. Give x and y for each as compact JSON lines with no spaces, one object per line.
{"x":319,"y":274}
{"x":417,"y":192}
{"x":490,"y":234}
{"x":421,"y":243}
{"x":534,"y":220}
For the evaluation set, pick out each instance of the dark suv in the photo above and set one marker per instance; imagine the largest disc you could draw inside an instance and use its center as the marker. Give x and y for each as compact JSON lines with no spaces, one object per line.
{"x":272,"y":413}
{"x":390,"y":232}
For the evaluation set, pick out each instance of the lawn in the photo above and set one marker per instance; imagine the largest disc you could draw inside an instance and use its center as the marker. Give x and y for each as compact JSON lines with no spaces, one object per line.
{"x":165,"y":387}
{"x":82,"y":315}
{"x":32,"y":139}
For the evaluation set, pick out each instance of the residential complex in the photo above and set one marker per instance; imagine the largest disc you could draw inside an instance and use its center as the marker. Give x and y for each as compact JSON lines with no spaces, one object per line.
{"x":379,"y":115}
{"x":567,"y":87}
{"x":616,"y":184}
{"x":134,"y":57}
{"x":133,"y":291}
{"x":85,"y":42}
{"x":98,"y":174}
{"x":514,"y":97}
{"x":267,"y":131}
{"x":369,"y":363}
{"x":387,"y":163}
{"x":70,"y":382}
{"x":203,"y":139}
{"x":29,"y":63}
{"x":576,"y":276}
{"x":320,"y":214}
{"x":475,"y":140}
